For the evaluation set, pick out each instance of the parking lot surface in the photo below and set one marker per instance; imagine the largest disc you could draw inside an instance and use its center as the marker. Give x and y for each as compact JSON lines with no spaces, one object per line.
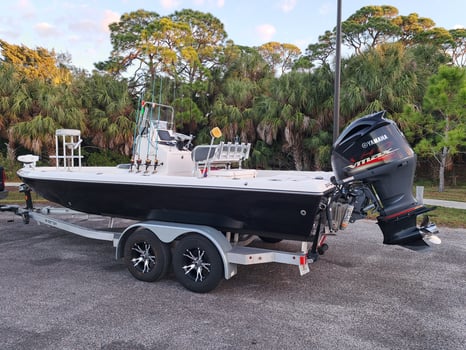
{"x":61,"y":291}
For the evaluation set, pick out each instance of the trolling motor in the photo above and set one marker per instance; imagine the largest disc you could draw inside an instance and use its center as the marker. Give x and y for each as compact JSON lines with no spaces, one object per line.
{"x":374,"y":170}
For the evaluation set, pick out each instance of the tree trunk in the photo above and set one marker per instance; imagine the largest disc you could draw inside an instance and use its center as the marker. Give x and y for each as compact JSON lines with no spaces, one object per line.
{"x":10,"y":155}
{"x":443,"y":163}
{"x":297,"y":157}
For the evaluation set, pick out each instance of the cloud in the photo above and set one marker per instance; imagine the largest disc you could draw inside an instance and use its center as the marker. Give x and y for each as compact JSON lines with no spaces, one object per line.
{"x":46,"y":29}
{"x":9,"y":29}
{"x":216,"y":3}
{"x":458,"y":26}
{"x":85,"y":25}
{"x":81,"y":28}
{"x":25,"y":9}
{"x":287,"y":5}
{"x":74,"y":38}
{"x":169,"y":4}
{"x":266,"y":32}
{"x":109,"y":17}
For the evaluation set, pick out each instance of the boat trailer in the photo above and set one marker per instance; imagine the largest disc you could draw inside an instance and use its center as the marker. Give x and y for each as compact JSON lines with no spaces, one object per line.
{"x":201,"y":256}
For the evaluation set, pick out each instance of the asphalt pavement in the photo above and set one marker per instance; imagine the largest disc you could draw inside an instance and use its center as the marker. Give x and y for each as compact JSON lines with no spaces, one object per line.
{"x":62,"y":291}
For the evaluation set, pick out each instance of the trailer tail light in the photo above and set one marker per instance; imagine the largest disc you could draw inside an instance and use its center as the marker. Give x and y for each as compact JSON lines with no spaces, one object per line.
{"x":302,"y":260}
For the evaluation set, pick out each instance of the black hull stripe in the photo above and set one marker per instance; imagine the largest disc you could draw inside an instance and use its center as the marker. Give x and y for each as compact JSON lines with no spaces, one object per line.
{"x":269,"y":213}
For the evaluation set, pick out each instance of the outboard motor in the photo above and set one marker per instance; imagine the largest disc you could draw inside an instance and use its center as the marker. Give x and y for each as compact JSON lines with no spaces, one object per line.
{"x":374,"y":170}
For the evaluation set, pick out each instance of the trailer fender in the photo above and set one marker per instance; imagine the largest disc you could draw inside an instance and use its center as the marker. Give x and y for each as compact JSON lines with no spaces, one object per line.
{"x":168,"y":232}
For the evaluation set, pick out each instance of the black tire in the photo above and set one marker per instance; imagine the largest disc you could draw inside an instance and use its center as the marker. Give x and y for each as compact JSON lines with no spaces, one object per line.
{"x":146,"y":257}
{"x":197,"y":264}
{"x":270,"y":239}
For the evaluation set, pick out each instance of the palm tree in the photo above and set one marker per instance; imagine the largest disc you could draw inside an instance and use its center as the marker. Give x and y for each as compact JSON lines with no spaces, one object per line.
{"x":36,"y":134}
{"x":380,"y":78}
{"x":110,"y":110}
{"x":42,"y":108}
{"x":297,"y":106}
{"x":16,"y":98}
{"x":242,"y":79}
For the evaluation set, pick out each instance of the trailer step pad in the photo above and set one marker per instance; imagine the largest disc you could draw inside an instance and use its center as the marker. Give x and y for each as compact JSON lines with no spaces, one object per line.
{"x":251,"y":256}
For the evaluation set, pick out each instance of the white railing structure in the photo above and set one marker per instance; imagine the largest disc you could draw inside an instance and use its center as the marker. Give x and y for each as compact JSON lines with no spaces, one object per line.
{"x":222,"y":155}
{"x":67,"y":142}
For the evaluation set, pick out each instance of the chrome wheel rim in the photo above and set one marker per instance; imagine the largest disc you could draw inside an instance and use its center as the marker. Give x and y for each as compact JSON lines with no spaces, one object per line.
{"x":197,"y":268}
{"x":143,"y":258}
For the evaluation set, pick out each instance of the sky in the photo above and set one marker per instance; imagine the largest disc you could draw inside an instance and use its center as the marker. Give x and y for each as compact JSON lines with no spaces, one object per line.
{"x":80,"y":27}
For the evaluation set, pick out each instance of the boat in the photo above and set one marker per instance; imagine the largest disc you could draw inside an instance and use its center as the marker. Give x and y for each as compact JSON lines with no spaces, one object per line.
{"x":169,"y":180}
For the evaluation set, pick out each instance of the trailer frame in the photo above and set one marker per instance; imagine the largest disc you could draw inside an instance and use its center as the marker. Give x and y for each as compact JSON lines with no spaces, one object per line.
{"x":206,"y":249}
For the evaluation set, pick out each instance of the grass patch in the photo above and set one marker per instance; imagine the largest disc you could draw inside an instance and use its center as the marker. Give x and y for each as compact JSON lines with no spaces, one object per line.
{"x":457,"y":193}
{"x":441,"y":216}
{"x":448,"y":217}
{"x":15,"y":197}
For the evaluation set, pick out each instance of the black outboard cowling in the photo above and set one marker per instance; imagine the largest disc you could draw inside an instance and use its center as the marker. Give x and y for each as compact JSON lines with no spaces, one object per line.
{"x":373,"y":153}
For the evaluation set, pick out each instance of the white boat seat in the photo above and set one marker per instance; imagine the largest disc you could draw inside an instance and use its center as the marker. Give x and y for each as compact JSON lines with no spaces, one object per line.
{"x":164,"y":135}
{"x":28,"y":160}
{"x":203,"y":152}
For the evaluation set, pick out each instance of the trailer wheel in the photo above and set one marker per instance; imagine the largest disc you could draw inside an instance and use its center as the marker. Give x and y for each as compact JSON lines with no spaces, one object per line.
{"x":197,"y":264}
{"x":146,"y":257}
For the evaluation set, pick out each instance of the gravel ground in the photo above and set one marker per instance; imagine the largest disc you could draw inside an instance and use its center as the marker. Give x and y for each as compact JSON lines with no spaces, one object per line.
{"x":61,"y":291}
